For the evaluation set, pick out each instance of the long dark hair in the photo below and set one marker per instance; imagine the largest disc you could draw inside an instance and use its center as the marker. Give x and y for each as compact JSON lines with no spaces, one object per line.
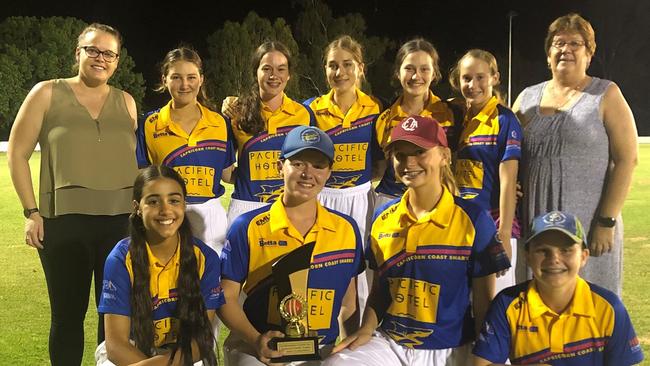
{"x":249,"y":113}
{"x":191,"y":312}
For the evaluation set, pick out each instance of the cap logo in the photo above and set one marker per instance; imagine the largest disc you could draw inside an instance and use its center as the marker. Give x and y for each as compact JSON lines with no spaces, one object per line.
{"x":310,"y":136}
{"x":410,"y":124}
{"x":554,"y":218}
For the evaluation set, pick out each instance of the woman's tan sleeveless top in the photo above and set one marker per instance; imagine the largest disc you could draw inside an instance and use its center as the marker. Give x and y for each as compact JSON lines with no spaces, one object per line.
{"x":87,"y":165}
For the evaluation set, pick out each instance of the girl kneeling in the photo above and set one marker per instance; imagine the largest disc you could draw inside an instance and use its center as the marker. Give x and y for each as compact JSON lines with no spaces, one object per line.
{"x":161,"y":285}
{"x":429,"y":250}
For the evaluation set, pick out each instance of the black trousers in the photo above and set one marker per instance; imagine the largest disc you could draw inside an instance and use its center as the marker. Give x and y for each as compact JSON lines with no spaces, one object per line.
{"x":75,"y":248}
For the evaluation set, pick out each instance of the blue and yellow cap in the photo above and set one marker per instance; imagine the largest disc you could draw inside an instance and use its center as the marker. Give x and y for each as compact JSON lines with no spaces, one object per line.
{"x":565,"y":223}
{"x":304,"y":138}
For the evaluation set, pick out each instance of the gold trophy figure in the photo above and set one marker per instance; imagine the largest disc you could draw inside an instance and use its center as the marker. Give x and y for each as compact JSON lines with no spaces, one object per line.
{"x":290,"y":274}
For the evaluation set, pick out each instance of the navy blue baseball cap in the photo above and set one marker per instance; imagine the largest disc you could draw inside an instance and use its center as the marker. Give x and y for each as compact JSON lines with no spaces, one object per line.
{"x":563,"y":222}
{"x":304,"y":138}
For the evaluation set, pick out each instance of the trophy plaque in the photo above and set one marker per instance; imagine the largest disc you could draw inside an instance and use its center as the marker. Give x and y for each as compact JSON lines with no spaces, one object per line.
{"x":290,"y":274}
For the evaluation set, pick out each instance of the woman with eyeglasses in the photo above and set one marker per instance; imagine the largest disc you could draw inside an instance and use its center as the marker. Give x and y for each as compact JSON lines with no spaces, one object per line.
{"x":579,"y":148}
{"x":85,"y":129}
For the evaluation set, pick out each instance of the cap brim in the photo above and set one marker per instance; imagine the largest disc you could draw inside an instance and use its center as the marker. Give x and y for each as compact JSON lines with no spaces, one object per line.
{"x":415,"y":140}
{"x":563,"y":231}
{"x":297,"y":151}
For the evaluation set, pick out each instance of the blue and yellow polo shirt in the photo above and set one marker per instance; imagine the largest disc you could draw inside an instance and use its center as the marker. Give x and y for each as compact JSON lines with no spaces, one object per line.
{"x":594,"y":330}
{"x":199,"y":157}
{"x":435,"y":108}
{"x":118,"y":281}
{"x":258,"y":178}
{"x":425,"y":268}
{"x":353,"y":134}
{"x":260,"y":237}
{"x":488,"y":139}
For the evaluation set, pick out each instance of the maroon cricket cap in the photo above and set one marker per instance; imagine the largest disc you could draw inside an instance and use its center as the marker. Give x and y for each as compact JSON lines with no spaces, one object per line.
{"x":424,"y":132}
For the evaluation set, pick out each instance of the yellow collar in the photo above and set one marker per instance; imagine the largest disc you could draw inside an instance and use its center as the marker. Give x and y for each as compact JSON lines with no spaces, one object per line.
{"x":155,"y":262}
{"x":440,"y":215}
{"x":581,"y":304}
{"x":165,"y":120}
{"x":488,"y":109}
{"x":279,"y":219}
{"x":428,"y":108}
{"x":287,"y":106}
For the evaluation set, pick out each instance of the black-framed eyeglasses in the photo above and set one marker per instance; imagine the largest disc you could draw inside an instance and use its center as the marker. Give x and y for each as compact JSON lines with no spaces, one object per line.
{"x":94,"y":52}
{"x":573,"y":45}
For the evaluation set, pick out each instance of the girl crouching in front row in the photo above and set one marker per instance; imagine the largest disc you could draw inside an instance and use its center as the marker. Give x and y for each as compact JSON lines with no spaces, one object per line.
{"x":161,"y":285}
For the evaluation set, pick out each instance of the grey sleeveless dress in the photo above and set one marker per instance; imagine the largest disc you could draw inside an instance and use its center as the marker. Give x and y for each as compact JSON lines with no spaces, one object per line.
{"x":564,"y":165}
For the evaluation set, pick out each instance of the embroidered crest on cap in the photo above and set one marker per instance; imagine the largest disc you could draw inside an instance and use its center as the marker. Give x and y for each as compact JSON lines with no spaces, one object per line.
{"x":554,"y":217}
{"x":410,"y":124}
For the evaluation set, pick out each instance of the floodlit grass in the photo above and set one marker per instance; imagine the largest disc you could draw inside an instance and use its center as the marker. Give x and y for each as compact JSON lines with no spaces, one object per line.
{"x":636,"y":257}
{"x":25,"y":314}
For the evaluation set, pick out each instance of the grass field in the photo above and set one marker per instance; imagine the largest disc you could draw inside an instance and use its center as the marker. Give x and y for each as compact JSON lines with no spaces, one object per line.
{"x":25,"y":314}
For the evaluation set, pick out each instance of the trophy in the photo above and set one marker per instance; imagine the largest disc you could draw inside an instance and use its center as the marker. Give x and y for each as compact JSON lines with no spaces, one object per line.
{"x":290,"y":274}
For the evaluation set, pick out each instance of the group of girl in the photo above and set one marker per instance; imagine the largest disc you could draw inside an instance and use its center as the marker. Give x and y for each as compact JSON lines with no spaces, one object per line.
{"x":303,"y":174}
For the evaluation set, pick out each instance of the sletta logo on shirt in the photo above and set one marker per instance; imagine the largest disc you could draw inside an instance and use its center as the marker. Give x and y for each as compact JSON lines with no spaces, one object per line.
{"x":272,"y":243}
{"x":388,"y":235}
{"x":410,"y":124}
{"x":532,"y":328}
{"x":160,"y":134}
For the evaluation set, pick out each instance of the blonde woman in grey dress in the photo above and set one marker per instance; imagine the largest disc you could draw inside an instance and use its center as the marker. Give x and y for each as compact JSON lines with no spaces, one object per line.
{"x":579,"y":148}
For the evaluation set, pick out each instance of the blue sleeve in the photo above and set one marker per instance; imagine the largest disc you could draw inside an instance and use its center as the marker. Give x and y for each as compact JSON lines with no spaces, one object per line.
{"x":116,"y":286}
{"x":376,"y":152}
{"x":493,"y":343}
{"x":510,"y":135}
{"x":623,"y":347}
{"x":211,"y":279}
{"x":141,"y":151}
{"x":235,"y":255}
{"x":231,"y":145}
{"x":488,"y":255}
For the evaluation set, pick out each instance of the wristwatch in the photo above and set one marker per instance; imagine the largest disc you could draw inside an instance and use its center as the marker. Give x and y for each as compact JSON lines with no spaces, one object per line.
{"x":606,"y":221}
{"x":29,"y":211}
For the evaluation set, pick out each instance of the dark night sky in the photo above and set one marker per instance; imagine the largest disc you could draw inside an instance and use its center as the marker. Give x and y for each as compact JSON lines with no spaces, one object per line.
{"x":150,"y":29}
